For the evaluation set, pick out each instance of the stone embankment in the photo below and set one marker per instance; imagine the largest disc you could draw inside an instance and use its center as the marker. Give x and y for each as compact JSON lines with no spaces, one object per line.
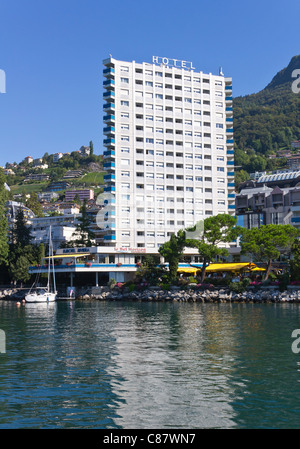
{"x":222,"y":295}
{"x":13,"y":293}
{"x":192,"y":295}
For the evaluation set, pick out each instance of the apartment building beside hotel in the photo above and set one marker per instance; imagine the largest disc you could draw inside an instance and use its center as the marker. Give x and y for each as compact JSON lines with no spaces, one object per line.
{"x":168,"y":149}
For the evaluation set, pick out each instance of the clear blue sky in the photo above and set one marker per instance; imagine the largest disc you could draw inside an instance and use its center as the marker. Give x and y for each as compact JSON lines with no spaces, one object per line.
{"x":52,"y":52}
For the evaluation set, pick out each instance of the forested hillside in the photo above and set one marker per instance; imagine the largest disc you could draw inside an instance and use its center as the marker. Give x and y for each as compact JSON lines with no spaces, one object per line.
{"x":267,"y":121}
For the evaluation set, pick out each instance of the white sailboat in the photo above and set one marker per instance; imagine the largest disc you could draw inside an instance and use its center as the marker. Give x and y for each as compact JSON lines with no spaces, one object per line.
{"x":48,"y":293}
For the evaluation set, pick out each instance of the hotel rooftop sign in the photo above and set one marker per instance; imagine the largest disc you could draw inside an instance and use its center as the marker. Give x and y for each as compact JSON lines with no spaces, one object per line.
{"x":173,"y":62}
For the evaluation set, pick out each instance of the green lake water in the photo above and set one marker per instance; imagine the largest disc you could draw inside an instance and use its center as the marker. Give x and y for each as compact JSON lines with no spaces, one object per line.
{"x":144,"y":365}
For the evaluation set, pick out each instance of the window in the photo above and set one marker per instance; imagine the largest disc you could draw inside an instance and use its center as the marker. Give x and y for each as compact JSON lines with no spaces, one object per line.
{"x":124,"y":103}
{"x":148,"y":72}
{"x":148,"y":83}
{"x":125,"y":173}
{"x":125,"y":161}
{"x":124,"y":68}
{"x":125,"y":197}
{"x":158,"y":74}
{"x":124,"y":150}
{"x":149,"y":95}
{"x":159,"y":96}
{"x":124,"y":126}
{"x":125,"y":80}
{"x":124,"y":114}
{"x":149,"y":117}
{"x":148,"y":140}
{"x":219,"y":125}
{"x":125,"y":210}
{"x":125,"y":138}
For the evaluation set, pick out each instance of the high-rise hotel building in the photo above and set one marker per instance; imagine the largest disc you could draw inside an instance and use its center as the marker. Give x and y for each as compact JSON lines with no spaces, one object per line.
{"x":168,"y":149}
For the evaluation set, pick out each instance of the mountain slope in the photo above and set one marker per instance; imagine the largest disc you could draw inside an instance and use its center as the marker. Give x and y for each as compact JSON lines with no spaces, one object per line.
{"x":269,"y":119}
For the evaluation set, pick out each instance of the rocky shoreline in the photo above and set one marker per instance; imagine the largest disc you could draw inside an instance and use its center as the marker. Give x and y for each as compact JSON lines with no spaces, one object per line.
{"x":221,"y":295}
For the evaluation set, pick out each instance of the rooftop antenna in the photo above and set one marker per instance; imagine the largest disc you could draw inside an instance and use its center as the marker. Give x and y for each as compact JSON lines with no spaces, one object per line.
{"x":221,"y":71}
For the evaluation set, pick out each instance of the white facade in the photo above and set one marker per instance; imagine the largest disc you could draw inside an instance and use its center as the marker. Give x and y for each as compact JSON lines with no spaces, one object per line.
{"x":169,"y":150}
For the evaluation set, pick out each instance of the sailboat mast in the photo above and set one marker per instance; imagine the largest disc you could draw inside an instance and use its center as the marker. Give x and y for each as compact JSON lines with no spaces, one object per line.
{"x":49,"y":260}
{"x":53,"y":270}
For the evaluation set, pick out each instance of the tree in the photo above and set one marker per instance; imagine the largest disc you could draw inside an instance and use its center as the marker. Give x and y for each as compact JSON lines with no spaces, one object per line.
{"x":83,"y":233}
{"x":21,"y":233}
{"x":172,"y":250}
{"x":91,"y":148}
{"x":295,"y":261}
{"x":20,"y":270}
{"x":267,"y":242}
{"x":33,"y":204}
{"x":218,"y":229}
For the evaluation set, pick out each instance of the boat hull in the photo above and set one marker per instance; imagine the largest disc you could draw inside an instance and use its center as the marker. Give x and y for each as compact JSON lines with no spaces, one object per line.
{"x":46,"y":297}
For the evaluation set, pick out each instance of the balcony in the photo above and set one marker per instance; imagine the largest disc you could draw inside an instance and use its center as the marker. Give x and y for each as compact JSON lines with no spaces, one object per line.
{"x":109,"y":118}
{"x":108,"y":83}
{"x":229,"y":141}
{"x":109,"y":130}
{"x":229,"y":130}
{"x":108,"y":106}
{"x":230,"y":152}
{"x":109,"y":71}
{"x":109,"y":189}
{"x":109,"y":178}
{"x":109,"y":141}
{"x":109,"y":237}
{"x":109,"y":153}
{"x":108,"y":94}
{"x":109,"y":165}
{"x":229,"y":109}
